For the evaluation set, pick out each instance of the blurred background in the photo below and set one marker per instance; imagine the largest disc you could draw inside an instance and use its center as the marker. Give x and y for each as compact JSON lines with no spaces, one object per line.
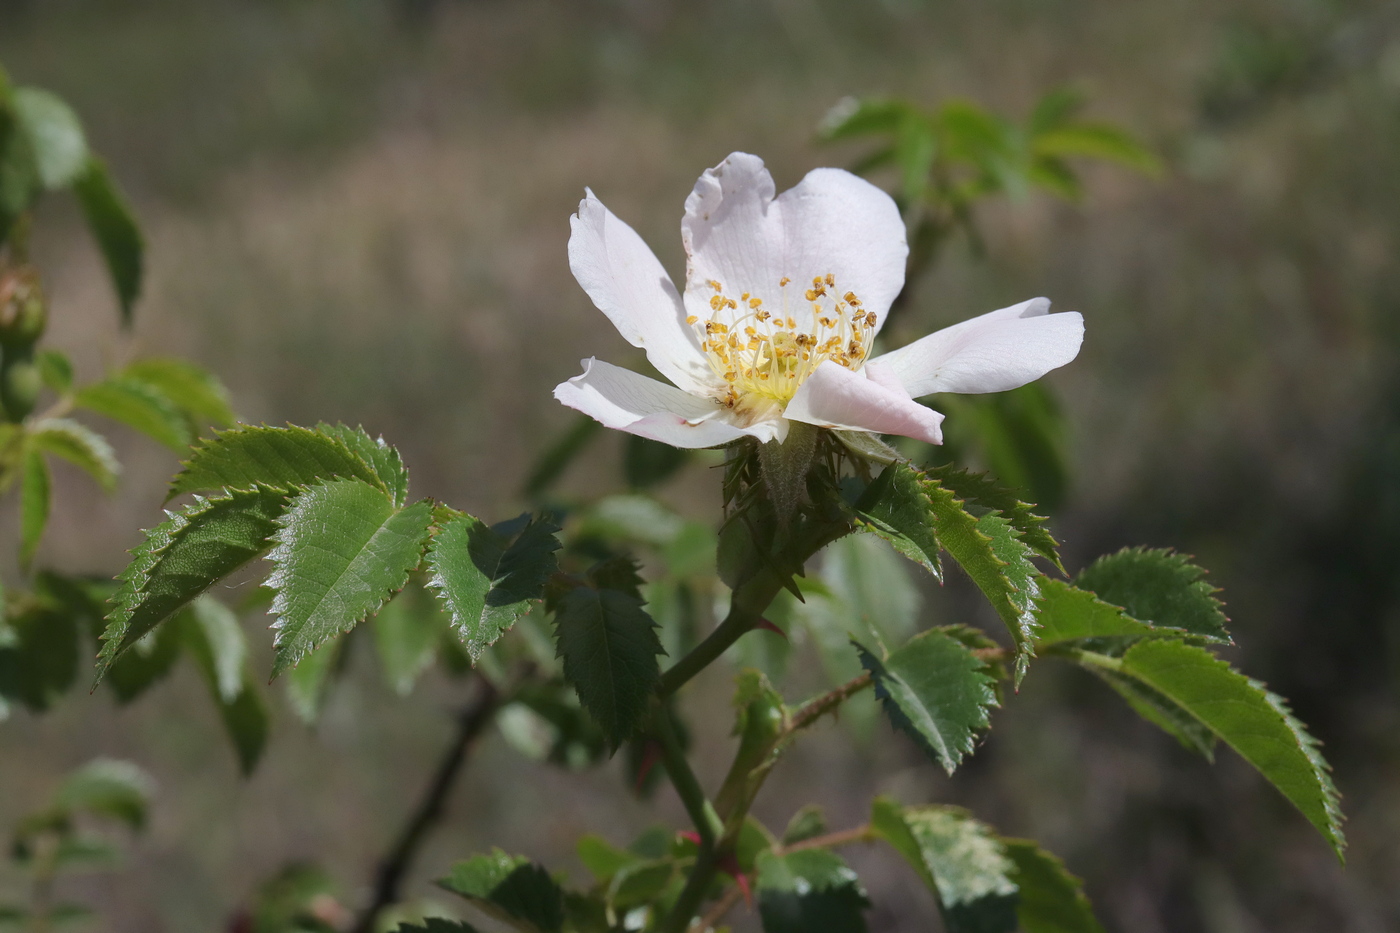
{"x":357,"y":210}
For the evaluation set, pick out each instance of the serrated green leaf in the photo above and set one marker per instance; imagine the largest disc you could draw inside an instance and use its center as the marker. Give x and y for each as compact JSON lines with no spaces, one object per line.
{"x":38,"y":656}
{"x":407,"y":632}
{"x":107,"y":787}
{"x":382,"y":459}
{"x":138,"y":406}
{"x":489,"y":576}
{"x":806,"y":823}
{"x":55,"y":136}
{"x":510,"y":888}
{"x":1159,"y":587}
{"x":602,"y":858}
{"x":437,"y":925}
{"x":342,"y":549}
{"x":217,"y":641}
{"x":897,"y":507}
{"x":809,"y":891}
{"x":994,"y":555}
{"x":114,"y":227}
{"x":79,"y":445}
{"x":147,"y":663}
{"x":831,"y":624}
{"x":1054,"y":109}
{"x":609,"y":647}
{"x":1099,"y":141}
{"x":1161,"y":711}
{"x":1054,"y":175}
{"x":646,"y":462}
{"x":1069,"y":614}
{"x":959,"y":858}
{"x":640,"y":884}
{"x":33,"y":504}
{"x":872,"y":582}
{"x":546,"y":723}
{"x":853,"y":117}
{"x":555,"y":459}
{"x":1052,"y":900}
{"x":280,"y":458}
{"x":19,"y":174}
{"x":308,"y":684}
{"x":631,"y":518}
{"x":184,"y":556}
{"x":1244,"y":715}
{"x":84,"y":853}
{"x":935,"y":691}
{"x":55,"y":370}
{"x":194,"y":390}
{"x":980,"y":490}
{"x":616,"y":573}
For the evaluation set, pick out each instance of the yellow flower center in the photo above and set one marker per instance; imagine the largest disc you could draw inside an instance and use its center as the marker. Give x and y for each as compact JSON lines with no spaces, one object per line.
{"x":762,"y":355}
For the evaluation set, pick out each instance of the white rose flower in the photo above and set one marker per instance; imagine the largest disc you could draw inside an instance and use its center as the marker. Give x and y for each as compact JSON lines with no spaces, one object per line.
{"x":783,"y":299}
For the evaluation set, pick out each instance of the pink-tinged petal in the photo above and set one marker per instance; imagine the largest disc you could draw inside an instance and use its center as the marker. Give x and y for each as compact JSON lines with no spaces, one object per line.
{"x":628,"y":284}
{"x":832,"y":222}
{"x":835,"y":397}
{"x":628,"y":401}
{"x":995,"y":352}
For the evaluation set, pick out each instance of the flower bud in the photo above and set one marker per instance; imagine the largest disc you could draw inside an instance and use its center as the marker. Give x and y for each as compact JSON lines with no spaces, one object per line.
{"x":23,"y":312}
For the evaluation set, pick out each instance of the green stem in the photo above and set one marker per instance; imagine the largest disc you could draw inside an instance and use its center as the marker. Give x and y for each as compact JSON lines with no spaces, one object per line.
{"x":702,"y":814}
{"x":746,"y":608}
{"x":739,"y":621}
{"x":678,"y":920}
{"x":750,"y":600}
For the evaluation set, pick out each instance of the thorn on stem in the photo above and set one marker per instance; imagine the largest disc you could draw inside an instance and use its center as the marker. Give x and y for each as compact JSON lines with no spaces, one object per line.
{"x":767,"y":625}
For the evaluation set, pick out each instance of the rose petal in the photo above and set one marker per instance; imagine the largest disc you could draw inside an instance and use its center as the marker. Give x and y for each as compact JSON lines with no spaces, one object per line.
{"x":835,"y":397}
{"x":628,"y":284}
{"x":997,"y":351}
{"x":832,"y":222}
{"x":628,"y":401}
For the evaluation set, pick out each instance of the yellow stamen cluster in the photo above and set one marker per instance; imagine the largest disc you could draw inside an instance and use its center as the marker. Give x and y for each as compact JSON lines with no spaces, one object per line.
{"x":763,"y":356}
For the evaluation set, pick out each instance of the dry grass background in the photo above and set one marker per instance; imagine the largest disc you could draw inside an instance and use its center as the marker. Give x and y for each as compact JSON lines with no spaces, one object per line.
{"x":358,"y":211}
